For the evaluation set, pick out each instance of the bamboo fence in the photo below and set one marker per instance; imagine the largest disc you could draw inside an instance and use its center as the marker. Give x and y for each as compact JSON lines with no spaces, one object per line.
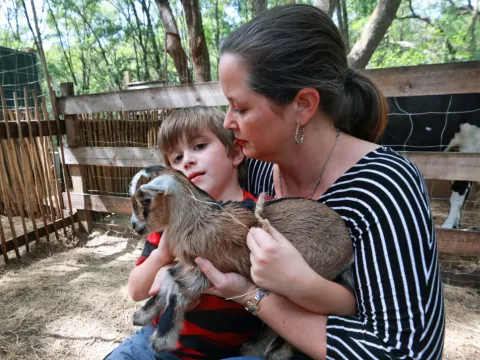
{"x":30,"y":182}
{"x":137,"y":129}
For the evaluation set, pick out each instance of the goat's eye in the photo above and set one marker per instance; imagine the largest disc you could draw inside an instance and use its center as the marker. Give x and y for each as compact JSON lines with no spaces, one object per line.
{"x":146,"y":201}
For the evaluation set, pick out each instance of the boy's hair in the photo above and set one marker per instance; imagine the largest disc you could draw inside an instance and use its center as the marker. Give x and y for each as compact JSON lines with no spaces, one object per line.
{"x":188,"y":123}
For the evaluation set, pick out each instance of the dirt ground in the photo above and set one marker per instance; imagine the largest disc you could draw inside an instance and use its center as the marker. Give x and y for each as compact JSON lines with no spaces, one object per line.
{"x":68,"y":300}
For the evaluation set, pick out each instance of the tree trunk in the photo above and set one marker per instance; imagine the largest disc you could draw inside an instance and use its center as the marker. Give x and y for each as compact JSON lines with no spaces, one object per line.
{"x":67,"y":58}
{"x":174,"y":45}
{"x":373,"y":33}
{"x":142,"y":41}
{"x":259,"y":6}
{"x":198,"y":43}
{"x":326,"y":5}
{"x":151,"y":32}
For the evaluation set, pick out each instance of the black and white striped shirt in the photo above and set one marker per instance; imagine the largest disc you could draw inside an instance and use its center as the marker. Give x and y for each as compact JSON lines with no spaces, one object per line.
{"x":400,"y":309}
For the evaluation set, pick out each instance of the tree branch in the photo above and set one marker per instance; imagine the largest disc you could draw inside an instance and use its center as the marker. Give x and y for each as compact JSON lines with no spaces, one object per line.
{"x":373,"y":33}
{"x":427,"y":20}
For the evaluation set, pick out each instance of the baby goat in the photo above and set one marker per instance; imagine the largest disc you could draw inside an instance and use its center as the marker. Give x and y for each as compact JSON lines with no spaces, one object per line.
{"x":197,"y":226}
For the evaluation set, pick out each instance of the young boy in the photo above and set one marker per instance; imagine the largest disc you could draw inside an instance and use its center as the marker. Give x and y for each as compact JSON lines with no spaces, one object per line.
{"x":194,"y":141}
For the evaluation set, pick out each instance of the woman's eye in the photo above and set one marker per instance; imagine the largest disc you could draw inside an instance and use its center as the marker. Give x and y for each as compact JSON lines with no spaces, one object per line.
{"x":239,"y":111}
{"x":200,"y":146}
{"x":177,"y":159}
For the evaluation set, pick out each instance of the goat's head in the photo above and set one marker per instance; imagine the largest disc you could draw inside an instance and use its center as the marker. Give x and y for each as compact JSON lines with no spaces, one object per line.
{"x":150,"y":190}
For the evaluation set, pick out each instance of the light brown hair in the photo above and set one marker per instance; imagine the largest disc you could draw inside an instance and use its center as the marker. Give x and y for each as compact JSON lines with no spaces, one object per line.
{"x":187,"y":123}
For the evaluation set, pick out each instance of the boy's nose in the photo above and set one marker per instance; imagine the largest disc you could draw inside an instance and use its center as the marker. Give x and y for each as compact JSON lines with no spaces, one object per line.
{"x":188,"y":161}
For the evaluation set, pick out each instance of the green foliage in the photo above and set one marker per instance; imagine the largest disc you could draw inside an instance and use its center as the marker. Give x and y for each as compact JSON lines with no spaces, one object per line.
{"x":93,"y":42}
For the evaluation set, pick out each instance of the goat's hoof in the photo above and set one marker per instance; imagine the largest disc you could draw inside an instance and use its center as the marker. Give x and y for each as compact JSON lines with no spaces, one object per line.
{"x":141,"y":318}
{"x":161,"y":343}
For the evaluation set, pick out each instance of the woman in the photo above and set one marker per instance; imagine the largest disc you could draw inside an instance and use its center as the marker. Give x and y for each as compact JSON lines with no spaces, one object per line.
{"x":310,"y":123}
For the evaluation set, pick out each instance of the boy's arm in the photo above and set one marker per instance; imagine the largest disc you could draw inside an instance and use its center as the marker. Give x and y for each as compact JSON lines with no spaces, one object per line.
{"x":142,"y":276}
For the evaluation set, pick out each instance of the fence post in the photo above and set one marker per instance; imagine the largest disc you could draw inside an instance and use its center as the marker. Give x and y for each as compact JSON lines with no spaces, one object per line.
{"x":77,"y":172}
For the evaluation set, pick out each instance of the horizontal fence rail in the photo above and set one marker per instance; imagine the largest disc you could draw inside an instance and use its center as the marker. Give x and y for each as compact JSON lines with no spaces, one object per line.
{"x":438,"y":79}
{"x":432,"y":165}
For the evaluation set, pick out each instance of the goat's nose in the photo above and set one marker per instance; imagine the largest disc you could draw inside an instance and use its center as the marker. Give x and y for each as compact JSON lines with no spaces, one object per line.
{"x":134,"y":223}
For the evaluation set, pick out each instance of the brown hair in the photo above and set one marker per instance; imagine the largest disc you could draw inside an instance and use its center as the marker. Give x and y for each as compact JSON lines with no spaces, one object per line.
{"x":291,"y":47}
{"x":188,"y":123}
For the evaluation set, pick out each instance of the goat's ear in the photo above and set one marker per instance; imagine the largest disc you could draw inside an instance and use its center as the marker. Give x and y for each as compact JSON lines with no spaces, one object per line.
{"x":143,"y":180}
{"x":163,"y":184}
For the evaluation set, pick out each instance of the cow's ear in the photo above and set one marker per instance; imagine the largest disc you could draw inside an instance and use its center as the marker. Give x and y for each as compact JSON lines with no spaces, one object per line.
{"x":163,"y":184}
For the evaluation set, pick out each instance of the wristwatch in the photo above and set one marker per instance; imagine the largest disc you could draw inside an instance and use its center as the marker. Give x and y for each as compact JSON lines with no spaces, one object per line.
{"x":252,"y":305}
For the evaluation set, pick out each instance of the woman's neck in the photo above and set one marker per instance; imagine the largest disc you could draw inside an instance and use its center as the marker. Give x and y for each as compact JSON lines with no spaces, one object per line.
{"x":299,"y":169}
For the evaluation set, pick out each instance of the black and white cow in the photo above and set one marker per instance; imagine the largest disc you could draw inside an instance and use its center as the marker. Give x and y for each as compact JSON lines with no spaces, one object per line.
{"x":437,"y":123}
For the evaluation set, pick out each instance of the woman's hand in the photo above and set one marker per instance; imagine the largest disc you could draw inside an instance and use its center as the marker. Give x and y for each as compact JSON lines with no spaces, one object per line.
{"x":276,"y":264}
{"x":226,"y":285}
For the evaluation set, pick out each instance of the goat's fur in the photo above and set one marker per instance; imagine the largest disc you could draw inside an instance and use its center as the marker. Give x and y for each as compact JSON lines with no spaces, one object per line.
{"x":199,"y":227}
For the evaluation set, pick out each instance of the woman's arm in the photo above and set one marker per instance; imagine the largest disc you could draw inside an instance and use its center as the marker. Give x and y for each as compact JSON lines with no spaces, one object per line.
{"x":300,"y":327}
{"x":273,"y":257}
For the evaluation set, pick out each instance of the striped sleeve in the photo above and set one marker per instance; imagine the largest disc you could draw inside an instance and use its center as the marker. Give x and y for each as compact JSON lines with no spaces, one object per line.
{"x":400,"y":313}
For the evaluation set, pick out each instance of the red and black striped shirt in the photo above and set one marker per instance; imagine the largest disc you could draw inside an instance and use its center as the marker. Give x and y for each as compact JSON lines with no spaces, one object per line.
{"x":216,"y":328}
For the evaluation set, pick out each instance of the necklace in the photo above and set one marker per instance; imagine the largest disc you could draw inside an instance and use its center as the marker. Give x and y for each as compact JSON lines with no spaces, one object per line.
{"x":321,"y":173}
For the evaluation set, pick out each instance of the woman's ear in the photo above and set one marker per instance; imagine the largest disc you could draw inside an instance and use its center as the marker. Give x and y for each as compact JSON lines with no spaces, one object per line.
{"x":236,"y":154}
{"x":307,"y":100}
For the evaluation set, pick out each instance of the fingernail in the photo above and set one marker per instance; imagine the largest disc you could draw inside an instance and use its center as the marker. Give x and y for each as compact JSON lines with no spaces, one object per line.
{"x":199,"y":261}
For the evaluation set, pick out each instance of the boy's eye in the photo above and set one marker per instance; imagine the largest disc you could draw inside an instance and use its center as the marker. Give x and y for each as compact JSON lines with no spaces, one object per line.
{"x":177,"y":159}
{"x":199,"y":146}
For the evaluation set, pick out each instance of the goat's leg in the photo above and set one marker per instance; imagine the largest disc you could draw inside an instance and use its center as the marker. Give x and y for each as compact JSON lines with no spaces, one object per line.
{"x":151,"y":309}
{"x":267,"y":345}
{"x":181,"y":287}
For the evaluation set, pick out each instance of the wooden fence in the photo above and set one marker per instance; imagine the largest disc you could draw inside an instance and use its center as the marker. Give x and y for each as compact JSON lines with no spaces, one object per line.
{"x":31,"y":202}
{"x":136,"y":114}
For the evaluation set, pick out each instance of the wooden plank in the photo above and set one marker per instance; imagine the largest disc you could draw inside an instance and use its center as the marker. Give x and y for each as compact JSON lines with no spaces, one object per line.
{"x":42,"y":231}
{"x":436,"y":79}
{"x":460,"y":279}
{"x":101,"y":203}
{"x":432,"y":165}
{"x":37,"y":126}
{"x":113,"y":156}
{"x":458,"y":242}
{"x":447,"y":166}
{"x":207,"y":94}
{"x":77,"y":173}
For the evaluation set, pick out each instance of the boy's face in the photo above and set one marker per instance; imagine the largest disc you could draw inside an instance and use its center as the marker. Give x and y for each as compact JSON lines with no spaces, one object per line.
{"x":205,"y":161}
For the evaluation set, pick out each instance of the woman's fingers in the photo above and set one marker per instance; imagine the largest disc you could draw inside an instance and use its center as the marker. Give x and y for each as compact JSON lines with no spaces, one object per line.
{"x":210,"y":271}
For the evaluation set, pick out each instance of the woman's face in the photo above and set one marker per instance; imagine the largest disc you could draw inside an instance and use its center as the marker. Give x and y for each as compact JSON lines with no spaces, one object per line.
{"x":263,"y":130}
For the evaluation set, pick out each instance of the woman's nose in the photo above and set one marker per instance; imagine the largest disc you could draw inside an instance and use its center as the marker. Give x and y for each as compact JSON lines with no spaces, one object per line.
{"x":229,"y":123}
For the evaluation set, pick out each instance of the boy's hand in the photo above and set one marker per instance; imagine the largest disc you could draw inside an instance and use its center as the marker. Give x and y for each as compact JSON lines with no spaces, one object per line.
{"x":157,"y":282}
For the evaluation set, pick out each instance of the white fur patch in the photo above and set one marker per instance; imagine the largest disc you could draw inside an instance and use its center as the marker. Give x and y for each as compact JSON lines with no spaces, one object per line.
{"x":166,"y":184}
{"x":133,"y":184}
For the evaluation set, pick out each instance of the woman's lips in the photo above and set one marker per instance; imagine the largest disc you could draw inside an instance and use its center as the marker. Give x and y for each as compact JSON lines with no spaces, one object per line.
{"x":241,"y":142}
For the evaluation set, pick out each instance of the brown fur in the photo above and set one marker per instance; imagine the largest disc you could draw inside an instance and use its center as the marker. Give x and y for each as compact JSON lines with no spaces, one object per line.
{"x":199,"y":227}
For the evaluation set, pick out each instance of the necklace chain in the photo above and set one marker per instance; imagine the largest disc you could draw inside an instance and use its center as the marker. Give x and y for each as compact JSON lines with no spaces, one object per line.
{"x":321,"y":173}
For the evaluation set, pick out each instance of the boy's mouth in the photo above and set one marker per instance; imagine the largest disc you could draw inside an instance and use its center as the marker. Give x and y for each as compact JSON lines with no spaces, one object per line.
{"x":194,"y":177}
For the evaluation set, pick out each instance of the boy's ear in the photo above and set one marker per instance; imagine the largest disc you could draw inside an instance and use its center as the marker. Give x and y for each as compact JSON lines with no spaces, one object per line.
{"x":236,"y":154}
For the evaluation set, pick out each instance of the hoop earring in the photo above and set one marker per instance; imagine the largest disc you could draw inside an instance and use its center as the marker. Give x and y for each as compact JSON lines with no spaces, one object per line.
{"x":299,"y":142}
